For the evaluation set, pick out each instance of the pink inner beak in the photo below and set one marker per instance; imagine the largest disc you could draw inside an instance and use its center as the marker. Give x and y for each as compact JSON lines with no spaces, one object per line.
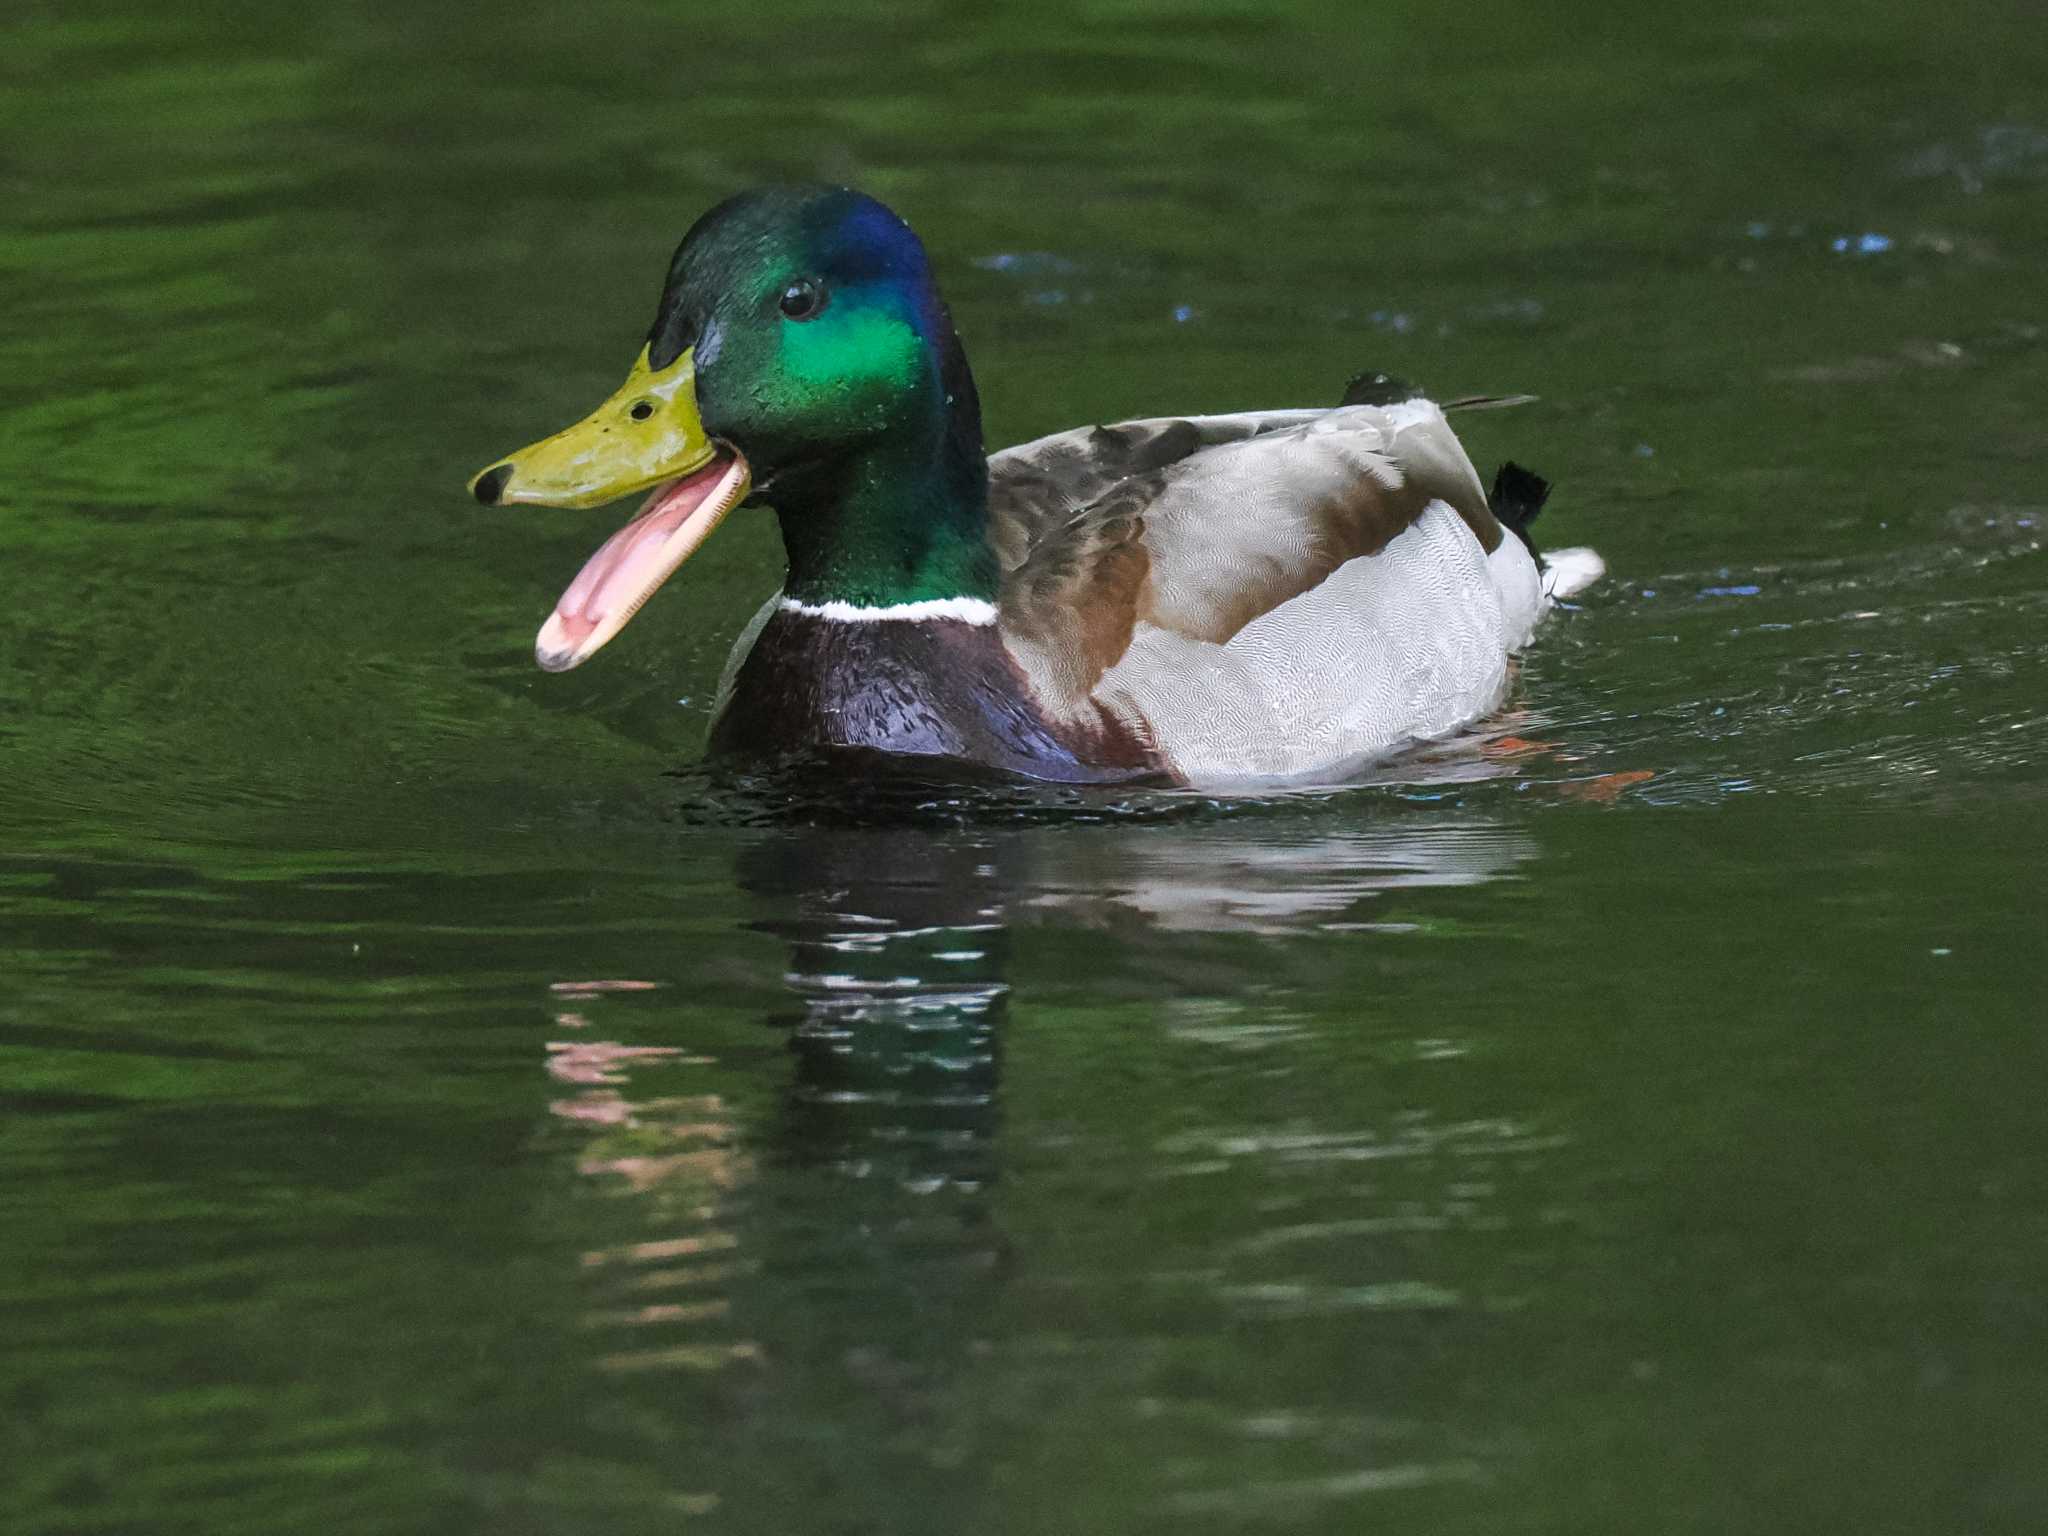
{"x":632,"y":563}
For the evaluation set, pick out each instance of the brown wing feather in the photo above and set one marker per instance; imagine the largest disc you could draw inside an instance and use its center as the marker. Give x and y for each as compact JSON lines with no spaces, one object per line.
{"x":1069,"y":607}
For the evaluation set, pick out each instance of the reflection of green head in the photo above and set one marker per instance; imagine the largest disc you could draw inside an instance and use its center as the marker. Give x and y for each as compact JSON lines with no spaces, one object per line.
{"x":824,"y":355}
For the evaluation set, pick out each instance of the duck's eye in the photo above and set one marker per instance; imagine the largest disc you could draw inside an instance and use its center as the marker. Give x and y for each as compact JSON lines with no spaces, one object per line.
{"x":642,"y":409}
{"x":802,"y":299}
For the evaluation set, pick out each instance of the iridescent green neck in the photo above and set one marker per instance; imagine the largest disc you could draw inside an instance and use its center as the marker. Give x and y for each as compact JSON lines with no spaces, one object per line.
{"x":904,"y":522}
{"x":899,"y":514}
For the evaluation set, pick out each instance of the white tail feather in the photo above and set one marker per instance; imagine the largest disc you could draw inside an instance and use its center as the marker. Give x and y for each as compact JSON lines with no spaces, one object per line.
{"x":1568,"y":572}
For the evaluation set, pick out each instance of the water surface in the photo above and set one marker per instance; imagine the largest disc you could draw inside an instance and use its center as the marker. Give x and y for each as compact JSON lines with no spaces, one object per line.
{"x":429,"y":1102}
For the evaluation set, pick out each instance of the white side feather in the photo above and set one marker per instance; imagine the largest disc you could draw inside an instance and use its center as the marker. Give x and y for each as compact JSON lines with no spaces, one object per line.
{"x":1405,"y":645}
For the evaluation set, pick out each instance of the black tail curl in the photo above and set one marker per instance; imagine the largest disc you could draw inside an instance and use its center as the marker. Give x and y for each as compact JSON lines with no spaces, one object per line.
{"x":1517,"y":496}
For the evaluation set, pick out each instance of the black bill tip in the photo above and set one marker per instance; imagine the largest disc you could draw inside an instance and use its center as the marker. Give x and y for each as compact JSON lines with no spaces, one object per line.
{"x":490,"y":485}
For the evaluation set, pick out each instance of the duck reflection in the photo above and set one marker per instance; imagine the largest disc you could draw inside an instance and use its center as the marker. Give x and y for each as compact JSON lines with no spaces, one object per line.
{"x":898,"y":978}
{"x":820,"y":1246}
{"x":1216,"y":880}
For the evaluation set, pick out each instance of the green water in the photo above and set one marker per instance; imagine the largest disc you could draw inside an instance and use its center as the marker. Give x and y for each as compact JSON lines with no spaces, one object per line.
{"x":1640,"y":1132}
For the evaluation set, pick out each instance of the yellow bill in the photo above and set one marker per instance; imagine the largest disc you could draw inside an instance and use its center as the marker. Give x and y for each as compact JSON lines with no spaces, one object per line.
{"x":647,"y":436}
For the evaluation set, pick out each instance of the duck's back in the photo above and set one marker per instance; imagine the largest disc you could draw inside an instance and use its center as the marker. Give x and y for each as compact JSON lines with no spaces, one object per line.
{"x":1272,"y":595}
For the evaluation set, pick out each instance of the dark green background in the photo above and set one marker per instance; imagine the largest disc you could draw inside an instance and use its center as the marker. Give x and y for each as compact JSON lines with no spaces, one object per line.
{"x":1477,"y":1151}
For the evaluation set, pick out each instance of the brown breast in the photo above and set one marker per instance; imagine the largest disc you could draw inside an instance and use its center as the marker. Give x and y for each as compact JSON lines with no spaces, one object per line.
{"x":939,"y":689}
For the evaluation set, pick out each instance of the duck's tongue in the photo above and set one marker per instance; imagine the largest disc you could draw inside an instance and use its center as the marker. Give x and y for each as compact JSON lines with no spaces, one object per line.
{"x":623,"y":574}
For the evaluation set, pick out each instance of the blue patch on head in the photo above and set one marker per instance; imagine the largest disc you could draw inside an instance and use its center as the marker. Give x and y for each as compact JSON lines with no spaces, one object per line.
{"x":864,"y":241}
{"x":868,"y":246}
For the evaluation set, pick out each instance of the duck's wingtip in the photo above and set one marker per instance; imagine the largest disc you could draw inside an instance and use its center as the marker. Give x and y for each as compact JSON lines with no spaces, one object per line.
{"x":1488,"y":402}
{"x":1568,"y":572}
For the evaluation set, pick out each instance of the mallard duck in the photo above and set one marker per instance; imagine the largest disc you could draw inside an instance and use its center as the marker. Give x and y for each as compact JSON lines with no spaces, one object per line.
{"x":1253,"y":597}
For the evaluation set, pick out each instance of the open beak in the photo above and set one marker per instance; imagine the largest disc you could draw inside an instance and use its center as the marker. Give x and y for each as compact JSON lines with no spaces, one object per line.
{"x":647,"y":437}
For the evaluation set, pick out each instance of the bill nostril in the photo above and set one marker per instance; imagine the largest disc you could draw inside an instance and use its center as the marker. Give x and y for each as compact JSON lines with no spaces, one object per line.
{"x":490,"y":485}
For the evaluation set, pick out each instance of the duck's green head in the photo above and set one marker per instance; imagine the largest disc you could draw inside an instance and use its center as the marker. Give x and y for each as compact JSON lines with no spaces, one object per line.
{"x":800,"y":356}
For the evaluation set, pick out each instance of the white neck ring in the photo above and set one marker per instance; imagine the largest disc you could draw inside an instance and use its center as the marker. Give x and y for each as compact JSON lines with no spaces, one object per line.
{"x":962,"y":610}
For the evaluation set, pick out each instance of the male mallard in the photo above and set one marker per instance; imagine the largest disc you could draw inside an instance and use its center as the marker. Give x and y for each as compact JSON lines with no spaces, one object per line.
{"x":1209,"y":599}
